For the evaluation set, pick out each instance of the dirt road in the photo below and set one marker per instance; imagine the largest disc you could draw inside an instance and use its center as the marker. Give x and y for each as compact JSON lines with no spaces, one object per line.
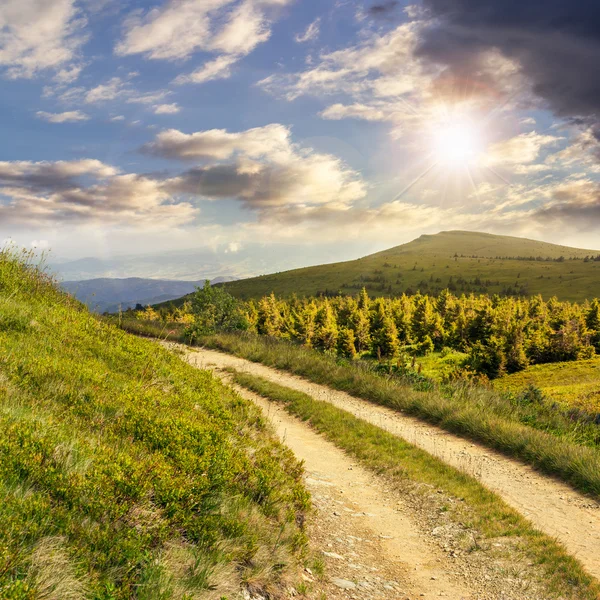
{"x":552,"y":506}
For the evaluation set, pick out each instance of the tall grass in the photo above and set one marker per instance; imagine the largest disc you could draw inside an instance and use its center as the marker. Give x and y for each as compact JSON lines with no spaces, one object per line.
{"x":125,"y":473}
{"x":484,"y":511}
{"x":473,"y":412}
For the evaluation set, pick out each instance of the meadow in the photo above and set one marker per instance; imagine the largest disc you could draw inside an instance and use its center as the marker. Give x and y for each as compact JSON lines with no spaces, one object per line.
{"x":124,"y":472}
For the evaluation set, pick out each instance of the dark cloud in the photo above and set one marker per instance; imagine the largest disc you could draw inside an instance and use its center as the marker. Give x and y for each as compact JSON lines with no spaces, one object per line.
{"x":383,"y":9}
{"x":556,"y":42}
{"x":575,"y":205}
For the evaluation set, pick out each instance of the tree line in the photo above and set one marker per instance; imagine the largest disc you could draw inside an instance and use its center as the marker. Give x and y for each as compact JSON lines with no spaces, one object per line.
{"x":498,"y":334}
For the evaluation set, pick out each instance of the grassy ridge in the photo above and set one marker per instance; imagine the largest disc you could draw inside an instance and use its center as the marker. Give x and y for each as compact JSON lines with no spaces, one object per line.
{"x":125,"y":473}
{"x":473,"y":412}
{"x":449,"y":257}
{"x":392,"y":456}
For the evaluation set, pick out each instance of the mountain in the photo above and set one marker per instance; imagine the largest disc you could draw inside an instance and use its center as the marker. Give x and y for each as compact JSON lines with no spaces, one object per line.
{"x":460,"y":260}
{"x":109,"y":295}
{"x":205,"y":263}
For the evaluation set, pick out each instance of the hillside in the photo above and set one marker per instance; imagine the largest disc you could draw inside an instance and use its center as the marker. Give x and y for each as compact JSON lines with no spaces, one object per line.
{"x":110,"y":294}
{"x":125,"y":473}
{"x":460,"y":260}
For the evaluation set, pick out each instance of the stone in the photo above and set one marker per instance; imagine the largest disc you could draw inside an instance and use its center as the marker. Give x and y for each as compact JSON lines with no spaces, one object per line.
{"x":343,"y":584}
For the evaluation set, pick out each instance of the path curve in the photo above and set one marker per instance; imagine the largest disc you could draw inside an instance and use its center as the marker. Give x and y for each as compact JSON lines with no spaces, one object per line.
{"x":552,"y":506}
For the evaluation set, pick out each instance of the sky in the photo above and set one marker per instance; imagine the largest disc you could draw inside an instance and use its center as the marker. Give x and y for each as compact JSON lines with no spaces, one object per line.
{"x":132,"y":127}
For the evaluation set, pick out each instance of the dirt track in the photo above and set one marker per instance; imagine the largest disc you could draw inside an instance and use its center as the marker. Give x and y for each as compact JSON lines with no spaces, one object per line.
{"x":552,"y":506}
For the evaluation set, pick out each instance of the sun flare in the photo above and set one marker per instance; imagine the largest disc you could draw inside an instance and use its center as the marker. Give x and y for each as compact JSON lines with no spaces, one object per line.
{"x":456,"y":144}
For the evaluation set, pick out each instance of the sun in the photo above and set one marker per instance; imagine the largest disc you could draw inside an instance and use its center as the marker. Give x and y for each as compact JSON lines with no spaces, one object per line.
{"x":456,"y":144}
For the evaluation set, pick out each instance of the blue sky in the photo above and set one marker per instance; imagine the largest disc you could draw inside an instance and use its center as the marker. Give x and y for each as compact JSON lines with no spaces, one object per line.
{"x":131,"y":127}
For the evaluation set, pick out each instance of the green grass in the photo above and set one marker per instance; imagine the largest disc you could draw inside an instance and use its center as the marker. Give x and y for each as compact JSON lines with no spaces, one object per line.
{"x":480,"y":510}
{"x":572,"y":384}
{"x":126,"y":473}
{"x":419,"y":265}
{"x":537,"y":434}
{"x":440,"y":365}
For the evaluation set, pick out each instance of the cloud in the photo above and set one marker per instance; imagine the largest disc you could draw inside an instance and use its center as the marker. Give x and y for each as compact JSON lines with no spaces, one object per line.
{"x":383,"y":9}
{"x":307,"y":181}
{"x":117,"y":118}
{"x":179,"y":29}
{"x":40,"y":34}
{"x":65,"y":117}
{"x":68,"y":75}
{"x":85,"y":191}
{"x":219,"y":144}
{"x":573,"y":204}
{"x":166,"y":109}
{"x":104,"y":92}
{"x":556,"y":45}
{"x":518,"y":151}
{"x":381,"y":66}
{"x":311,"y":33}
{"x":219,"y":68}
{"x":339,"y":111}
{"x":260,"y":167}
{"x":117,"y":88}
{"x":226,"y":28}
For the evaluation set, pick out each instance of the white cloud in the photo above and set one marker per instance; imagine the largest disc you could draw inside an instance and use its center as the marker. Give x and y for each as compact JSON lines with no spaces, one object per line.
{"x":218,"y":144}
{"x":219,"y":68}
{"x":65,"y":117}
{"x":117,"y":118}
{"x":229,"y":29}
{"x":39,"y":34}
{"x":146,"y":98}
{"x":339,"y":111}
{"x":166,"y":109}
{"x":528,"y":121}
{"x":311,"y":33}
{"x":68,"y":75}
{"x":381,"y":66}
{"x":519,"y":152}
{"x":104,"y":92}
{"x":180,"y":28}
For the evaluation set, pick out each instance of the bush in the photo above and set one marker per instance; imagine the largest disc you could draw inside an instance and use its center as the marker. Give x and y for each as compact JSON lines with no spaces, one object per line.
{"x":214,"y":311}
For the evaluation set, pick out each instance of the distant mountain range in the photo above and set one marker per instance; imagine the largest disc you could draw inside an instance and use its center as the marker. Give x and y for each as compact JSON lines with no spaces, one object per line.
{"x":110,"y":295}
{"x":205,"y":263}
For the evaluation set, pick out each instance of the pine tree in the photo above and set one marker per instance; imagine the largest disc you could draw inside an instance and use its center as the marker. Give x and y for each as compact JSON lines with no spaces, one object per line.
{"x":326,"y":331}
{"x":269,"y":318}
{"x":346,"y":343}
{"x":592,"y":322}
{"x":384,"y":335}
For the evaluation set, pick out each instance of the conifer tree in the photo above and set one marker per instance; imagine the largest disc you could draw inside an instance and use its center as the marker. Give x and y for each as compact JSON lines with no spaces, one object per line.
{"x":592,"y":321}
{"x":269,"y":318}
{"x":384,"y":335}
{"x":326,"y":332}
{"x":346,"y":343}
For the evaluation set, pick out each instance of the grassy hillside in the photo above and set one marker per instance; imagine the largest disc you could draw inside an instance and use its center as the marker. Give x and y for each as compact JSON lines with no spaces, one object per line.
{"x":463,"y":261}
{"x":573,"y":384}
{"x":125,"y":473}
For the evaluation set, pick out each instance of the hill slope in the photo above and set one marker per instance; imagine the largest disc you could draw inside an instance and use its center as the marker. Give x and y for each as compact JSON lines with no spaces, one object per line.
{"x":462,"y":261}
{"x":125,"y":473}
